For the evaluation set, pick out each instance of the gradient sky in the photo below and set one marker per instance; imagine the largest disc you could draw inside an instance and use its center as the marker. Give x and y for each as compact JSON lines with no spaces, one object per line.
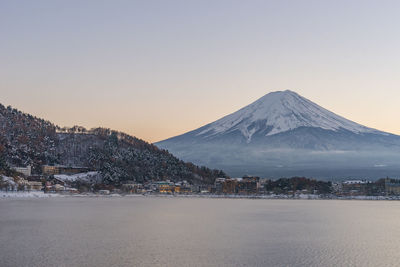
{"x":155,"y":69}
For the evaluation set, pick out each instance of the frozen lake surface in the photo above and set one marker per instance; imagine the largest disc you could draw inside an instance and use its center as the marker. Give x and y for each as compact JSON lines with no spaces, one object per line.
{"x":154,"y":231}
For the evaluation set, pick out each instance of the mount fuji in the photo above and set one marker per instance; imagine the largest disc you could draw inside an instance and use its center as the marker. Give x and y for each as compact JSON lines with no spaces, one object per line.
{"x":285,"y":134}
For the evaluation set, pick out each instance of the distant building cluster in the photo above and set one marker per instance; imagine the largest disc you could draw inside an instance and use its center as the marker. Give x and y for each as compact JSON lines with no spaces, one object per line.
{"x":162,"y":187}
{"x":244,"y":186}
{"x":382,"y":187}
{"x":75,"y":179}
{"x":46,"y":181}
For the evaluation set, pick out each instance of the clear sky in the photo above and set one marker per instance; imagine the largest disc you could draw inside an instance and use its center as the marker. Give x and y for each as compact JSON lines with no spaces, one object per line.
{"x":155,"y":69}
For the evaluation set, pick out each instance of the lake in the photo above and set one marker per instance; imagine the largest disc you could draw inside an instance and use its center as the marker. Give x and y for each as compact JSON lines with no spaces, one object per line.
{"x":173,"y":231}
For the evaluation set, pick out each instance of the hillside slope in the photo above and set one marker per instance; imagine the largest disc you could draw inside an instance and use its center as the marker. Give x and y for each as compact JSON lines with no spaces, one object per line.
{"x":27,"y":140}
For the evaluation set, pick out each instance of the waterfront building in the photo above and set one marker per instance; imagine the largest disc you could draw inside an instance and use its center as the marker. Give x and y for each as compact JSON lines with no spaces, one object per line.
{"x":248,"y":185}
{"x":57,"y":188}
{"x":165,"y":187}
{"x":219,"y":184}
{"x":132,"y":188}
{"x":37,"y":186}
{"x":359,"y":187}
{"x":392,"y":186}
{"x":230,"y":186}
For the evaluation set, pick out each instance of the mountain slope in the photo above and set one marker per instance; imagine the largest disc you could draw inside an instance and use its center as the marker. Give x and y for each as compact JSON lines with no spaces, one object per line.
{"x":27,"y":140}
{"x":282,"y":133}
{"x":279,"y":112}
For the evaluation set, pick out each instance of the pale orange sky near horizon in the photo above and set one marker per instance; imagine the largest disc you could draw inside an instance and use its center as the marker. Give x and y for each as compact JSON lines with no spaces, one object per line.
{"x":156,"y":69}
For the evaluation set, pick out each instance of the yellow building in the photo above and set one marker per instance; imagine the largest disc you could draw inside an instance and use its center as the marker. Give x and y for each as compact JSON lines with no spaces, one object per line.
{"x":177,"y":189}
{"x":50,"y":170}
{"x":166,"y":188}
{"x":60,"y":169}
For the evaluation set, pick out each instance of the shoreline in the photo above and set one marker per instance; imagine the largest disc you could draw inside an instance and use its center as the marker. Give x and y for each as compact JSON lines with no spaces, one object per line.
{"x":40,"y":194}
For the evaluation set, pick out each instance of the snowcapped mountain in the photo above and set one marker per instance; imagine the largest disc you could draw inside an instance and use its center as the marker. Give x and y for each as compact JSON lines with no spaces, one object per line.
{"x":283,"y":130}
{"x":279,"y":112}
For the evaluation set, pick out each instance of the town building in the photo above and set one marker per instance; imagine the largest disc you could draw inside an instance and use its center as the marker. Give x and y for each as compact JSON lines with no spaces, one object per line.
{"x":248,"y":185}
{"x":132,"y":188}
{"x":392,"y":186}
{"x":104,"y":192}
{"x":230,"y":186}
{"x":182,"y":189}
{"x":165,"y":187}
{"x":26,"y":171}
{"x":359,"y":187}
{"x":36,"y":186}
{"x":61,"y":169}
{"x":219,"y":185}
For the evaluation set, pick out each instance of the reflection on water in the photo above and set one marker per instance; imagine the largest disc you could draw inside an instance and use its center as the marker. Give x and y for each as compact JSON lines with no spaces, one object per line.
{"x":153,"y":231}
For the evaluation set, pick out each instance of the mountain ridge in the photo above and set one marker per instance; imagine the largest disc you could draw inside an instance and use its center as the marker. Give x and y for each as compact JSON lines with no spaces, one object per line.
{"x":283,"y":121}
{"x":279,"y":112}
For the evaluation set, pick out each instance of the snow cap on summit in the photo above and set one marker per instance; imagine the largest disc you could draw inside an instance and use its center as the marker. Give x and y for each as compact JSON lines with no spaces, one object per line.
{"x":278,"y":112}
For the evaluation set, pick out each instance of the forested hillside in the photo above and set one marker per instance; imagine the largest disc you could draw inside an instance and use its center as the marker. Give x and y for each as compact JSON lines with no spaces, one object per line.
{"x":28,"y":140}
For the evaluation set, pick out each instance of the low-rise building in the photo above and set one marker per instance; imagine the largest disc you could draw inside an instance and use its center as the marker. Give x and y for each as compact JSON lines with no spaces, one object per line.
{"x":166,"y":187}
{"x":181,"y":189}
{"x":26,"y":171}
{"x":71,"y":190}
{"x":22,"y":183}
{"x":358,"y":187}
{"x":36,"y":186}
{"x":36,"y":178}
{"x":61,"y":169}
{"x":57,"y":188}
{"x":132,"y":188}
{"x":248,"y":185}
{"x":219,"y":185}
{"x":392,"y":186}
{"x":104,"y":192}
{"x":230,"y":186}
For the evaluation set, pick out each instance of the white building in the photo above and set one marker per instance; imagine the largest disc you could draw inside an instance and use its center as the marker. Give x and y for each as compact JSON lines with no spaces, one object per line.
{"x":24,"y":170}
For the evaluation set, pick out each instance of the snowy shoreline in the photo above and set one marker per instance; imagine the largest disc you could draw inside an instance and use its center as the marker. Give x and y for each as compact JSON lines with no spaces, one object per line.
{"x":39,"y":194}
{"x":32,"y":194}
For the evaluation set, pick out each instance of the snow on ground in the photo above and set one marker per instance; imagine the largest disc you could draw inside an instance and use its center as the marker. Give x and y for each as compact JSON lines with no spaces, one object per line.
{"x":85,"y":176}
{"x":32,"y":194}
{"x":8,"y":180}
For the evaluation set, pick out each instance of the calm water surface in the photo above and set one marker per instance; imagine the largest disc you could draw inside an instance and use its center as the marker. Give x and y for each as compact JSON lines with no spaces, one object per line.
{"x":155,"y":231}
